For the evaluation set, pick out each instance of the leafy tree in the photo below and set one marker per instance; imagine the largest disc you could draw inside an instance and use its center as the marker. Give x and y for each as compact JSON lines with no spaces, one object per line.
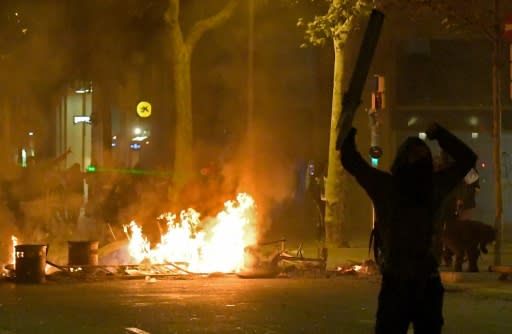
{"x":335,"y":25}
{"x":470,"y":18}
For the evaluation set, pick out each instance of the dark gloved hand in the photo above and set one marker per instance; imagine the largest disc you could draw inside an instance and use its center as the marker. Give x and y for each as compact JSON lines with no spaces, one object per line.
{"x":350,"y":139}
{"x":432,"y":131}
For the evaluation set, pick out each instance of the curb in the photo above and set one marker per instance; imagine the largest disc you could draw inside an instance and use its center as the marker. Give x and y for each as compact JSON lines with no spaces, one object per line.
{"x":461,"y":277}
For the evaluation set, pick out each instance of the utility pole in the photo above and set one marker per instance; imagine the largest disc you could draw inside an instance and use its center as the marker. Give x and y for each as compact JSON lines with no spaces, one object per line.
{"x":496,"y":133}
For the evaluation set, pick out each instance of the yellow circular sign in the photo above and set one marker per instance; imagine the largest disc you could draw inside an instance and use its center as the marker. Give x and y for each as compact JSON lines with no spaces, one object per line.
{"x":144,"y":109}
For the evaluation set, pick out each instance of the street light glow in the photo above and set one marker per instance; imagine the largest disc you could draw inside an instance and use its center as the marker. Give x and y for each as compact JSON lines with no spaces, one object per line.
{"x":83,"y":91}
{"x":473,"y":120}
{"x":139,"y":138}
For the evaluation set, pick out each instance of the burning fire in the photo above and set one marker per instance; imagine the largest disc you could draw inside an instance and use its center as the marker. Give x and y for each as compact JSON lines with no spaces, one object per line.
{"x":14,"y":244}
{"x":216,"y":245}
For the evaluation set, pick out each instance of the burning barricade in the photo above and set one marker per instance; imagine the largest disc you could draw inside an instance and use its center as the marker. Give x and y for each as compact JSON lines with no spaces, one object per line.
{"x":215,"y":245}
{"x":188,"y":245}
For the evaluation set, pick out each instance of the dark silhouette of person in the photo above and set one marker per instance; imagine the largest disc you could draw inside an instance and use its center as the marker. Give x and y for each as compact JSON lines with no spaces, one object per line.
{"x":407,"y":202}
{"x":457,"y":208}
{"x":316,"y":190}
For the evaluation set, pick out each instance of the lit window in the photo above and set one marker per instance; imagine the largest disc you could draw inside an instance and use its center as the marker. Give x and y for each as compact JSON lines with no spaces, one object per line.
{"x":474,"y":135}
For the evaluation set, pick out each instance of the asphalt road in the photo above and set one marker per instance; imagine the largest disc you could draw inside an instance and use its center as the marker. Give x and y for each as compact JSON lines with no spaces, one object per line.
{"x":226,"y":305}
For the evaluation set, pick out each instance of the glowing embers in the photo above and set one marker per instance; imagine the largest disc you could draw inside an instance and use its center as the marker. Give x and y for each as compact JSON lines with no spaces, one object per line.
{"x":214,"y":245}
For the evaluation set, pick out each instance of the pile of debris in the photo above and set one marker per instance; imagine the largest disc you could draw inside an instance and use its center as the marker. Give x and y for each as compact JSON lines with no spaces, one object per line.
{"x":280,"y":262}
{"x":264,"y":260}
{"x":367,"y":267}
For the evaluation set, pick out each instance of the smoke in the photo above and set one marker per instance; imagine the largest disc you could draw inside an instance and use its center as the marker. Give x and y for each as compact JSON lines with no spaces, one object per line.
{"x":45,"y":47}
{"x":71,"y":43}
{"x":267,"y":173}
{"x":274,"y":133}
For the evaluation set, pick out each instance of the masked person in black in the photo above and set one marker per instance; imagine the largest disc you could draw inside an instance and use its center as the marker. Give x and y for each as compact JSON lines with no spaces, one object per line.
{"x":407,"y":203}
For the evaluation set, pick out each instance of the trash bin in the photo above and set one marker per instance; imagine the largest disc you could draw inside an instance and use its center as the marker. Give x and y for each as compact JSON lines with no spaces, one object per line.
{"x":83,"y":253}
{"x":30,"y":263}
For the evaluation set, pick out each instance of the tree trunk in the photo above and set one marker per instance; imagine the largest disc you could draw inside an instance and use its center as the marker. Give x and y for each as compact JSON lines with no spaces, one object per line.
{"x":335,"y":223}
{"x":184,"y":160}
{"x":181,"y":65}
{"x":6,"y":145}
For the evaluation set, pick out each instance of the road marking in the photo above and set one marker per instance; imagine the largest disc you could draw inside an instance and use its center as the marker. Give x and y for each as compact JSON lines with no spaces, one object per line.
{"x":136,"y":330}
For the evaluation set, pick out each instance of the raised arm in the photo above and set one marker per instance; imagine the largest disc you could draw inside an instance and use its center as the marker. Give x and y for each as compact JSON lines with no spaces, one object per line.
{"x":368,"y":177}
{"x":464,"y":157}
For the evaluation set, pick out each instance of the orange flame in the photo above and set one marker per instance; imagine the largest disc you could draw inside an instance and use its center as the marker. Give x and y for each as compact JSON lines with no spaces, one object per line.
{"x":14,"y":244}
{"x":213,"y":246}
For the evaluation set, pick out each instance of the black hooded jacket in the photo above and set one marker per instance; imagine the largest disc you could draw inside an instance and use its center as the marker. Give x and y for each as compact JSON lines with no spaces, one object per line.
{"x":408,"y":200}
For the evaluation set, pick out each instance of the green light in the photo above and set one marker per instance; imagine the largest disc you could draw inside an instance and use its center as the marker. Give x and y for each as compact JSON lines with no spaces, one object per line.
{"x":375,"y":162}
{"x":134,"y":171}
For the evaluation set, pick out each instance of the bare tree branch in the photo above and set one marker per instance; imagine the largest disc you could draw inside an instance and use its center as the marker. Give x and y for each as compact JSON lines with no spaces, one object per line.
{"x":472,"y":21}
{"x":209,"y":23}
{"x":172,"y":16}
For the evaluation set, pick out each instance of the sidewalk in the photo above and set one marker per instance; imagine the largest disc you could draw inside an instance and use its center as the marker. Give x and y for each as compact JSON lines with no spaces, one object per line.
{"x":484,"y":283}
